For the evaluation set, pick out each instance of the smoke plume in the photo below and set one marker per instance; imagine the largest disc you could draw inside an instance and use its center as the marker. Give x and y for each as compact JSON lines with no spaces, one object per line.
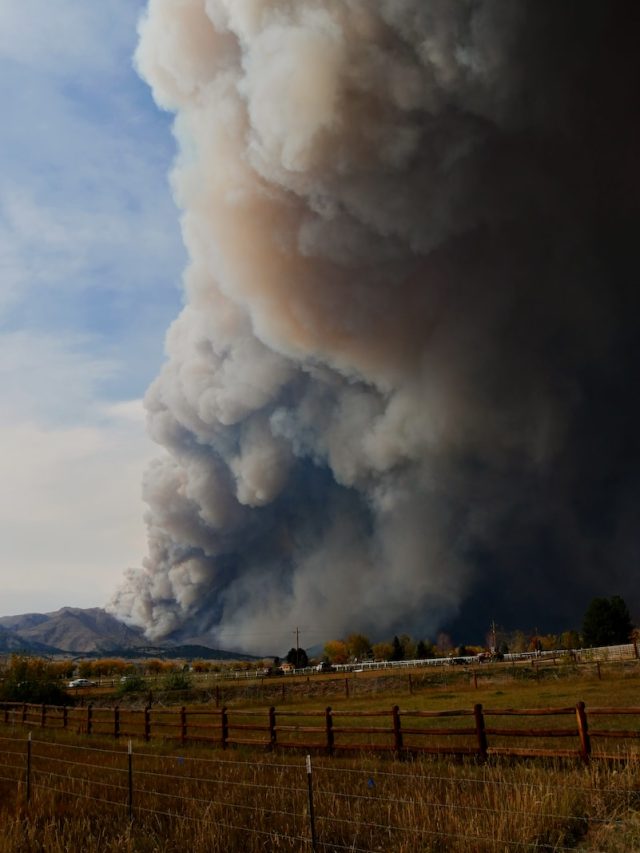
{"x":400,"y":392}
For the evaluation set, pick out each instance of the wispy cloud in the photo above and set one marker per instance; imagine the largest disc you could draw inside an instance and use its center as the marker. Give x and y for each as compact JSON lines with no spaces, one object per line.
{"x":70,"y":511}
{"x":90,"y":261}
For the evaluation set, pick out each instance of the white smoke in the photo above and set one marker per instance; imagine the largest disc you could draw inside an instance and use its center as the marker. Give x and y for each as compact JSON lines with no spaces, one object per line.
{"x":355,"y":211}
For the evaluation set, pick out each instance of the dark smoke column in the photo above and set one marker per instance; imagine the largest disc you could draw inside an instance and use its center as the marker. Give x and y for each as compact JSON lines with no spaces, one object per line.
{"x":397,"y":388}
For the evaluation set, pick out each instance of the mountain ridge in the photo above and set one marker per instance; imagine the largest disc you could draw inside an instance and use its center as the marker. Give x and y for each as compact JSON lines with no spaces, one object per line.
{"x":93,"y":631}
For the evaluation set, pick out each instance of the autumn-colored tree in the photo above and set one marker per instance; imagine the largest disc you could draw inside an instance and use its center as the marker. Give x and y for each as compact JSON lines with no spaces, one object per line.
{"x":518,"y":642}
{"x":155,"y":666}
{"x":336,"y":651}
{"x":62,"y":668}
{"x":569,"y":640}
{"x":108,"y":666}
{"x":444,"y":643}
{"x":28,"y":679}
{"x":535,"y":643}
{"x":358,"y":646}
{"x":382,"y":651}
{"x":409,"y":647}
{"x":549,"y":642}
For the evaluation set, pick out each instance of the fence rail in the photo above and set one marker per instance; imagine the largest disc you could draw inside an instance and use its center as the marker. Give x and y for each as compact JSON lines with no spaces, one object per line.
{"x":477,"y":731}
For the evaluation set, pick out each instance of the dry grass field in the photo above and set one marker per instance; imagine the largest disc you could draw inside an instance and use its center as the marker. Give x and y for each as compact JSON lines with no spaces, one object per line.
{"x":243,"y":800}
{"x":202,"y":800}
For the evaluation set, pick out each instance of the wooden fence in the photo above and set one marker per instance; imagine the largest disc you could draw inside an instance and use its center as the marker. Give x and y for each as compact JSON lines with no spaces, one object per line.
{"x":612,"y":733}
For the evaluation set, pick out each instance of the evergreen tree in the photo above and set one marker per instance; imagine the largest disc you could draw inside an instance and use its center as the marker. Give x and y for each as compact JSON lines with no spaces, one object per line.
{"x":606,"y":622}
{"x":298,"y":657}
{"x":421,"y":650}
{"x":398,"y":653}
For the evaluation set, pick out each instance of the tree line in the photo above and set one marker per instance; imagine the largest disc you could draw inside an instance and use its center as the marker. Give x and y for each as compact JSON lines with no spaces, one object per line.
{"x":24,"y":678}
{"x":606,"y":622}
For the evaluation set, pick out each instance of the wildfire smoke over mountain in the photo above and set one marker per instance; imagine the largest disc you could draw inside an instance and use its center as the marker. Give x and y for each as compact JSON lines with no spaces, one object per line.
{"x":401,"y":374}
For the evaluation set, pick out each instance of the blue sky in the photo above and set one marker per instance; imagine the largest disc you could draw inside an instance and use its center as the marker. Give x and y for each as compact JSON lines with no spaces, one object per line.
{"x":90,"y":266}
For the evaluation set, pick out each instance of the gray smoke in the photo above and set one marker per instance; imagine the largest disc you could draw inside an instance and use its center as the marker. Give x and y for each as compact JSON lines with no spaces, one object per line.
{"x":395,"y":292}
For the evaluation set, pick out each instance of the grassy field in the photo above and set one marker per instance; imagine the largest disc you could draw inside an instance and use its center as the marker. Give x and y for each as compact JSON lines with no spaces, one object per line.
{"x":497,"y":686}
{"x":242,"y":802}
{"x":246,"y":800}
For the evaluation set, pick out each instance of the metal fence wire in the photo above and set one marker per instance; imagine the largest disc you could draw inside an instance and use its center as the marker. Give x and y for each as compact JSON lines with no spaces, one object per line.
{"x":318,"y":805}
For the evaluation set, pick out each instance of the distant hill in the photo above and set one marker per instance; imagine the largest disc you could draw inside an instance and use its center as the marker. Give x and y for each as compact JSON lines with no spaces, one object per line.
{"x":12,"y":643}
{"x":74,"y":629}
{"x":93,"y":631}
{"x":183,"y":652}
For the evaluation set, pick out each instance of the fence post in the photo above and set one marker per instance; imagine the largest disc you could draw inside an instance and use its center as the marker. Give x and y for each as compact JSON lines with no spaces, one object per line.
{"x":410,"y":686}
{"x":598,"y":670}
{"x":583,"y":732}
{"x":312,"y":820}
{"x":116,"y":721}
{"x":29,"y":767}
{"x":130,"y":774}
{"x":147,"y":722}
{"x":183,"y":724}
{"x":328,"y":716}
{"x":217,"y":695}
{"x":24,"y":712}
{"x":283,"y":690}
{"x":65,"y":716}
{"x":346,"y":687}
{"x":89,"y":717}
{"x":272,"y":727}
{"x":481,"y":732}
{"x":397,"y":731}
{"x":224,"y":720}
{"x":43,"y":717}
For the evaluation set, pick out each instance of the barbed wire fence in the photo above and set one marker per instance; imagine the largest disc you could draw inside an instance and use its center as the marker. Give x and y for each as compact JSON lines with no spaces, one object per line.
{"x":311,"y":805}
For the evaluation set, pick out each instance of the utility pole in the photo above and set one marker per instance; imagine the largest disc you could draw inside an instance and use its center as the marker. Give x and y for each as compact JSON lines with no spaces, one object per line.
{"x":493,"y":637}
{"x":297,"y":633}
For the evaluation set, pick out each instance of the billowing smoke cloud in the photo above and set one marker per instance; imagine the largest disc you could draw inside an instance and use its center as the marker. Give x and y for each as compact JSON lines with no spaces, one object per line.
{"x":395,"y":389}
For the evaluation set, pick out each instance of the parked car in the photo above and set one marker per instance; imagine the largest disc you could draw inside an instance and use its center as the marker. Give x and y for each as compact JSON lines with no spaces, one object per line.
{"x":81,"y":682}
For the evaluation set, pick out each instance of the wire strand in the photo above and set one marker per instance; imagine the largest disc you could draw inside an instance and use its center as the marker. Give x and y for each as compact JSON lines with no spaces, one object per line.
{"x":213,"y":781}
{"x":81,"y":779}
{"x":208,"y":802}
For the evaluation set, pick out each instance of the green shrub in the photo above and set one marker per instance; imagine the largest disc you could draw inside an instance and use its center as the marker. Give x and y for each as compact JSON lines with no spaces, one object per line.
{"x":132,"y":684}
{"x":34,"y":680}
{"x":177,"y":681}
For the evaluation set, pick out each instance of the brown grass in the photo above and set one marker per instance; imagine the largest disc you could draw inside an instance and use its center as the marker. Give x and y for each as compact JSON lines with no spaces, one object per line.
{"x":243,"y":800}
{"x":205,"y":800}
